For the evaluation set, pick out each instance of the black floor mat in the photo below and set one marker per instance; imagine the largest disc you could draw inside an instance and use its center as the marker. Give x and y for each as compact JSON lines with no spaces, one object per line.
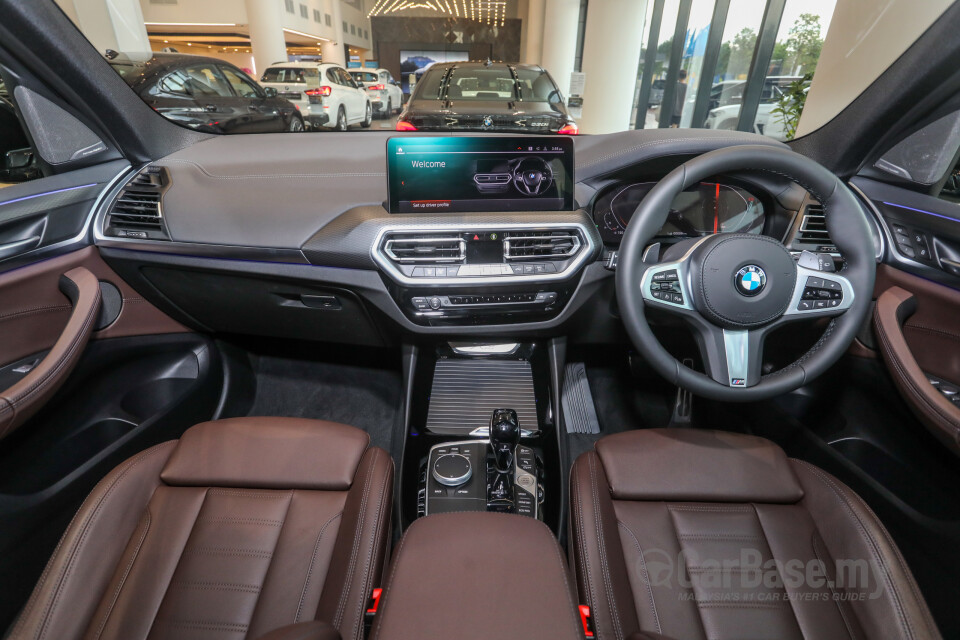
{"x":622,"y":403}
{"x":367,"y":398}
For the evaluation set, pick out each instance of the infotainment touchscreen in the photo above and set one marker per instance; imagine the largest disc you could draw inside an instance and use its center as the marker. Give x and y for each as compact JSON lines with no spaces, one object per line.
{"x":450,"y":174}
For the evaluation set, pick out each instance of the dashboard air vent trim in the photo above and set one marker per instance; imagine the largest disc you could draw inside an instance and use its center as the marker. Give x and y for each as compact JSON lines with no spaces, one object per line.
{"x":813,"y":225}
{"x":436,"y":248}
{"x":137,"y":211}
{"x":588,"y":250}
{"x":541,"y":245}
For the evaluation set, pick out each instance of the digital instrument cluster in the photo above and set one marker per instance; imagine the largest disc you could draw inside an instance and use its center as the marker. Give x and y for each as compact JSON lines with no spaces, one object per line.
{"x":703,"y":209}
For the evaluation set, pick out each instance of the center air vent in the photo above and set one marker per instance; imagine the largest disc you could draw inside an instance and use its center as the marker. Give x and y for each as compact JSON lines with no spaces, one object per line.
{"x":136,"y":213}
{"x":539,"y":245}
{"x":441,"y":248}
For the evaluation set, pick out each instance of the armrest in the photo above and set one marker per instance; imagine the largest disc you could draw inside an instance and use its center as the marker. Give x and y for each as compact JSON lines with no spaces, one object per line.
{"x":475,"y":576}
{"x":313,"y":630}
{"x":27,"y":396}
{"x":936,"y":412}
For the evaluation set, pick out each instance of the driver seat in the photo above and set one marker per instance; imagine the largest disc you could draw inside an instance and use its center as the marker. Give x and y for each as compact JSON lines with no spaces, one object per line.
{"x":684,"y":534}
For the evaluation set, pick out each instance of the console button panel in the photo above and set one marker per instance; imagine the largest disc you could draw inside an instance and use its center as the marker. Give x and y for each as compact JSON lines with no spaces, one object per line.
{"x":449,"y":481}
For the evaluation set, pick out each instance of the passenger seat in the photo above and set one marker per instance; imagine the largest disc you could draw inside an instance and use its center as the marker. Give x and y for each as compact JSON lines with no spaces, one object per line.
{"x":240,"y":527}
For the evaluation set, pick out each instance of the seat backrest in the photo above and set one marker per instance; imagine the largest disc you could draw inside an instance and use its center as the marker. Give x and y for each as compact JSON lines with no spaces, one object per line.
{"x":697,"y":534}
{"x":238,"y":528}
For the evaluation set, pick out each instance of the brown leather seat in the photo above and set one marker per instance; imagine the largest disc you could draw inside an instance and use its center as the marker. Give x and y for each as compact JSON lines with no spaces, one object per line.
{"x":706,"y":534}
{"x":240,"y":527}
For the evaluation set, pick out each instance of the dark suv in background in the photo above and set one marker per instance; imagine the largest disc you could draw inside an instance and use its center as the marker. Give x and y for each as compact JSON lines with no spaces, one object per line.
{"x":207,"y":94}
{"x":482,"y":96}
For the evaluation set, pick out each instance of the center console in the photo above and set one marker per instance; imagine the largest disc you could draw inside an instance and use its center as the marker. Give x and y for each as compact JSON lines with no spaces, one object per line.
{"x":482,"y":432}
{"x":497,"y":474}
{"x":445,"y":267}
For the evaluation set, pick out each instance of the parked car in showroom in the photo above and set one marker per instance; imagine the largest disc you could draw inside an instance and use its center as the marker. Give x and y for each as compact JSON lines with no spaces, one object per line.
{"x":725,"y":98}
{"x":385,"y":93}
{"x":483,"y":96}
{"x":330,"y":95}
{"x":207,"y":94}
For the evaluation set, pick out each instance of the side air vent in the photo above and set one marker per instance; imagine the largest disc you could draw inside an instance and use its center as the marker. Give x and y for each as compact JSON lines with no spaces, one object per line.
{"x":439,"y":248}
{"x":137,"y":213}
{"x":540,"y":245}
{"x":813,"y":226}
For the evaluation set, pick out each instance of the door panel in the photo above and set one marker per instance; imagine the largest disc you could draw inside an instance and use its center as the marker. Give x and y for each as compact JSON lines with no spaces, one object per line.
{"x":33,"y":311}
{"x":917,"y":318}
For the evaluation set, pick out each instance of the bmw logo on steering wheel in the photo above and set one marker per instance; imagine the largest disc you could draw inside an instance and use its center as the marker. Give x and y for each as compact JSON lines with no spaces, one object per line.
{"x":750,"y":280}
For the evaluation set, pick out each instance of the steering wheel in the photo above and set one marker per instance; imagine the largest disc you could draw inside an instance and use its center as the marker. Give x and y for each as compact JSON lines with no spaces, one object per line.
{"x":532,"y":176}
{"x":733,"y":289}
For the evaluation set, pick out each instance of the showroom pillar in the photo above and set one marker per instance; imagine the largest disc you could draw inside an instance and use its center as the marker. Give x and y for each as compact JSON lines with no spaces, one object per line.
{"x":334,"y":51}
{"x":560,"y":21}
{"x":265,"y":22}
{"x":113,"y":24}
{"x":610,"y":81}
{"x":534,"y":48}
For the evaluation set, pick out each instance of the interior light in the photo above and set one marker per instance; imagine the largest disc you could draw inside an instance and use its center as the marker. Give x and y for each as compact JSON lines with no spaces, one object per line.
{"x":570,"y":129}
{"x":403,"y":125}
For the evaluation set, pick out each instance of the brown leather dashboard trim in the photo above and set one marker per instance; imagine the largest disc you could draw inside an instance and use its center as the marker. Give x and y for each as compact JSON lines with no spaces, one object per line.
{"x":894,"y":307}
{"x":25,"y":397}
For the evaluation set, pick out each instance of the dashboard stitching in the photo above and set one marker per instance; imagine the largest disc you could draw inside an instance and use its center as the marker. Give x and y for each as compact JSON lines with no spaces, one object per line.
{"x":653,"y":143}
{"x":355,"y":174}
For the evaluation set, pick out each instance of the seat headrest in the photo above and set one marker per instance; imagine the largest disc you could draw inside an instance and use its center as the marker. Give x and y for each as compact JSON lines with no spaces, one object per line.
{"x":696,"y":465}
{"x":267,"y":453}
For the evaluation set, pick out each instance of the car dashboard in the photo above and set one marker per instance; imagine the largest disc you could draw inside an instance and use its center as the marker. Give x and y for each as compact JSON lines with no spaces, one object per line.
{"x":204,"y":236}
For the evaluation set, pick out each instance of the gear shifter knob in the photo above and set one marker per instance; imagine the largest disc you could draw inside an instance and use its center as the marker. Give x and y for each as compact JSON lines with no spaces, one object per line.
{"x":504,"y":436}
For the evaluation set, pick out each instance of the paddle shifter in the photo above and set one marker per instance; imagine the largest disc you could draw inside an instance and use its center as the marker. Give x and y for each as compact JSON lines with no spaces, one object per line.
{"x":504,"y":438}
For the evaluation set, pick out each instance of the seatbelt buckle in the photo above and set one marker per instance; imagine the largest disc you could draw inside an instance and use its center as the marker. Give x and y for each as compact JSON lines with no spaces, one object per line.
{"x":587,"y":621}
{"x":371,"y":610}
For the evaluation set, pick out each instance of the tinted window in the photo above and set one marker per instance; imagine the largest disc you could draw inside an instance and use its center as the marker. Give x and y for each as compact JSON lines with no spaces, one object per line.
{"x":17,"y":160}
{"x":364,"y":76}
{"x":287,"y":75}
{"x":429,"y":86}
{"x":481,"y":83}
{"x":205,"y":80}
{"x":332,"y":75}
{"x":536,"y":86}
{"x":242,"y":85}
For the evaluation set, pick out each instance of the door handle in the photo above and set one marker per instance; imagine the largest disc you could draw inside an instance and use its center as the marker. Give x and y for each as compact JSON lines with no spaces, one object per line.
{"x":19,"y":246}
{"x":31,"y":392}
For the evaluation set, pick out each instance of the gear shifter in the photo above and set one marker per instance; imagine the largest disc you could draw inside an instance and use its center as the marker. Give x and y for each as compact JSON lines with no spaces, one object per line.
{"x":504,"y":438}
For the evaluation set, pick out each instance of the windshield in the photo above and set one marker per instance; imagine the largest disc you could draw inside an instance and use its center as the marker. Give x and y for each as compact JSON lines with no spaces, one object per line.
{"x":772,"y":67}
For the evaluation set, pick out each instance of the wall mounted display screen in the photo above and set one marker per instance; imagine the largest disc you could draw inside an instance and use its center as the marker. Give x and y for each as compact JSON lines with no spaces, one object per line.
{"x":413,"y":64}
{"x":454,"y":174}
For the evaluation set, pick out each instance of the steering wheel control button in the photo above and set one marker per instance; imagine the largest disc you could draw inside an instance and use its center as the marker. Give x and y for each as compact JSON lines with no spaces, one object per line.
{"x":452,"y":469}
{"x":750,"y":280}
{"x":670,"y":275}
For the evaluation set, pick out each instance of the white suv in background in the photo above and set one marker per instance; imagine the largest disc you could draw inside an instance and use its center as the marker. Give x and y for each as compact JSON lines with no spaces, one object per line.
{"x":326,"y":94}
{"x":384,"y":91}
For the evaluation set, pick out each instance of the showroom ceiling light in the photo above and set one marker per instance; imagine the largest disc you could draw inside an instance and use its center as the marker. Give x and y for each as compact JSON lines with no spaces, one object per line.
{"x":191,"y":24}
{"x":492,"y":12}
{"x":307,"y":35}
